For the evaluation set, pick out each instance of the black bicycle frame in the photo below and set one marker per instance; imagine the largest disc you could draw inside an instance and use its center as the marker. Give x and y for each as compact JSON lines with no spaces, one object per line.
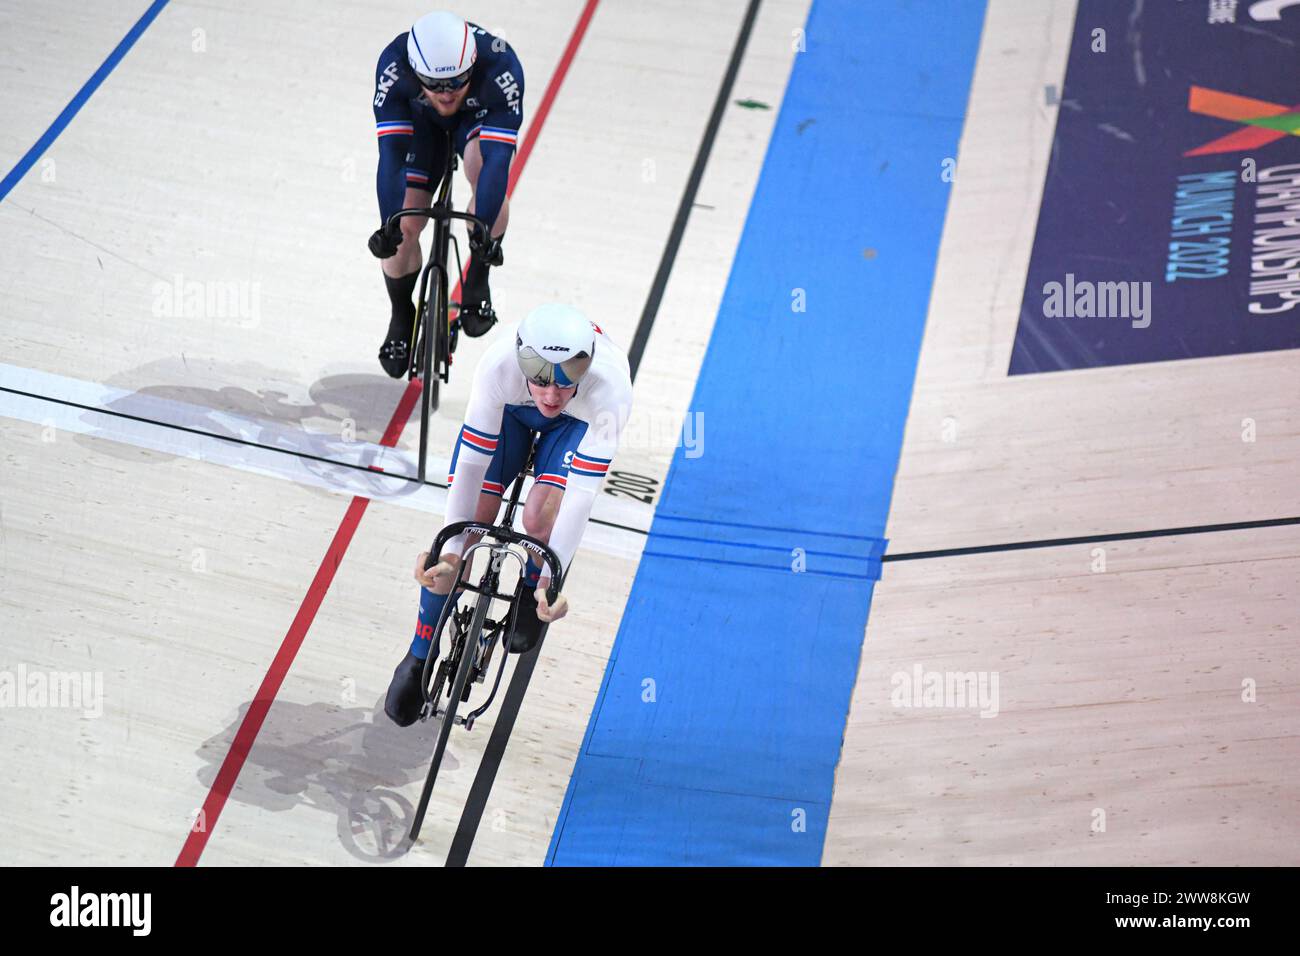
{"x":436,"y":326}
{"x":504,"y":534}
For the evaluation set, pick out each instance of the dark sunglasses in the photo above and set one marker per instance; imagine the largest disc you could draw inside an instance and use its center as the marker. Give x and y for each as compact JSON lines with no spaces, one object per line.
{"x":443,"y":86}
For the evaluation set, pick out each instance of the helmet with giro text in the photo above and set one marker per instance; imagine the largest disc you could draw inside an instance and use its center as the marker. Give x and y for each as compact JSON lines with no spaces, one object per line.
{"x":441,"y":50}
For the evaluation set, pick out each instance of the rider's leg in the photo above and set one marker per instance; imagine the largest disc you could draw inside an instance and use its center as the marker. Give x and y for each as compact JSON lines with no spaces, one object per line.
{"x":512,"y":448}
{"x":408,"y":258}
{"x":402,"y":270}
{"x":431,"y":601}
{"x":427,"y":153}
{"x":539,"y":518}
{"x":556,"y":445}
{"x":405,"y":698}
{"x":476,"y":296}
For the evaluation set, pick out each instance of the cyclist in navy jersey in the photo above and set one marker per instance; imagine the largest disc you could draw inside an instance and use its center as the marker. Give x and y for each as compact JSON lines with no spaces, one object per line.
{"x":442,"y":76}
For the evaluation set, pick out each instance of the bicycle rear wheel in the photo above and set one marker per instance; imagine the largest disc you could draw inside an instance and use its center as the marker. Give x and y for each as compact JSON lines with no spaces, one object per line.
{"x":433,"y":335}
{"x":436,"y":333}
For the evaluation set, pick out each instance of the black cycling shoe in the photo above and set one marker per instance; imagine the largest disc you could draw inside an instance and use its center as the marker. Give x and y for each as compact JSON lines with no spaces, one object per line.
{"x":475,"y":320}
{"x":476,"y":315}
{"x":525,"y":627}
{"x":405,"y":695}
{"x":395,"y":357}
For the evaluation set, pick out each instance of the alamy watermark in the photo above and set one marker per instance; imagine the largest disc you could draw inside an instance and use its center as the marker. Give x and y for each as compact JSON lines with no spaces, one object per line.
{"x":235,"y":300}
{"x":1100,"y":300}
{"x":651,"y":431}
{"x":75,"y":908}
{"x":951,"y":689}
{"x":74,"y":690}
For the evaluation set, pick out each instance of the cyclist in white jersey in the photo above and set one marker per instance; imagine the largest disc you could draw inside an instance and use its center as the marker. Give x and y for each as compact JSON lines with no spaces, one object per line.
{"x":557,"y":375}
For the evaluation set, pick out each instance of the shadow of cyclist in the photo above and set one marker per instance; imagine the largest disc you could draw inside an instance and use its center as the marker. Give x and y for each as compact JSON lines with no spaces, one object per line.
{"x":349,"y":761}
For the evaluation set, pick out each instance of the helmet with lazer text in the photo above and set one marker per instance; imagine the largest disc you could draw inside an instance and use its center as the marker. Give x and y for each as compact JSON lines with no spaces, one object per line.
{"x":555,"y":345}
{"x":441,"y":51}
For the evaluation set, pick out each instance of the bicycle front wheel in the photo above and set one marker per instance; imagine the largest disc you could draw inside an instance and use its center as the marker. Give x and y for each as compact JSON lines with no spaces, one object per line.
{"x":463,"y":668}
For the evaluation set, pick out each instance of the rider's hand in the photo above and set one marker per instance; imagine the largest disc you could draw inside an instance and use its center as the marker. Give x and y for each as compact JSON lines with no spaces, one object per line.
{"x":548,"y":613}
{"x":440,"y":576}
{"x":385,"y":240}
{"x":488,"y":252}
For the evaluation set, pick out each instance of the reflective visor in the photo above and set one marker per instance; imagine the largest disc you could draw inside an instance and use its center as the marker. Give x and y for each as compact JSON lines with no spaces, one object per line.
{"x":543,"y":372}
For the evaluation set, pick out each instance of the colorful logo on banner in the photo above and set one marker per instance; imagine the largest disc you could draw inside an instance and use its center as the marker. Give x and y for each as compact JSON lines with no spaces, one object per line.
{"x":1268,"y":122}
{"x":1170,"y":219}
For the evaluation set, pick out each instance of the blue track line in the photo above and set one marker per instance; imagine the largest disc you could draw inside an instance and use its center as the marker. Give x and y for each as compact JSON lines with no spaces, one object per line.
{"x":718,"y":727}
{"x":79,"y":100}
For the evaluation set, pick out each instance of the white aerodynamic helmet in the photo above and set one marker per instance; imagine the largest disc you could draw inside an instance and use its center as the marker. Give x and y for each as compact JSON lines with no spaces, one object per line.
{"x":555,"y":345}
{"x":441,"y":50}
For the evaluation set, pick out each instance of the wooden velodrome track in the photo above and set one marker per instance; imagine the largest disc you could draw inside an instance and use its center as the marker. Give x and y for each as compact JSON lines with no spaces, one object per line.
{"x":1122,"y":735}
{"x":203,"y":579}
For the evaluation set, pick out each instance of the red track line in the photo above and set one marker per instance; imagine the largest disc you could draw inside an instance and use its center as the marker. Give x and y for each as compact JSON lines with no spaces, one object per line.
{"x":261,"y":705}
{"x":552,"y":88}
{"x":197,"y":839}
{"x":400,"y":415}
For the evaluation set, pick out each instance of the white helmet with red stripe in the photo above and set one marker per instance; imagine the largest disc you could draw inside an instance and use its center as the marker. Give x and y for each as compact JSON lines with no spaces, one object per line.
{"x":441,"y":48}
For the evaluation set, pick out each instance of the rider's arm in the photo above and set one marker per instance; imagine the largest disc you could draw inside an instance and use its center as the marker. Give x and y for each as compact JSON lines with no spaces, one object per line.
{"x":571,"y":521}
{"x":498,"y":134}
{"x":475,"y":445}
{"x":492,"y":181}
{"x":394,"y":127}
{"x":587,"y":471}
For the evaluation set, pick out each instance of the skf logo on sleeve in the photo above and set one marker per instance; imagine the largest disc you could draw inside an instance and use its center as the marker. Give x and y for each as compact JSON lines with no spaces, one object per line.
{"x":511,"y":89}
{"x":386,"y":81}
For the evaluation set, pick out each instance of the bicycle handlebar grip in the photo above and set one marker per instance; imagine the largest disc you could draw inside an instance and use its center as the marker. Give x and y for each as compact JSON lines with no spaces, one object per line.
{"x":552,"y":561}
{"x":549,"y":557}
{"x":434,"y":212}
{"x":445,"y":535}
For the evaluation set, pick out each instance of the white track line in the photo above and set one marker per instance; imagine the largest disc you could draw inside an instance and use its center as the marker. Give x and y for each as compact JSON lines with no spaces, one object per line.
{"x":157,"y":434}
